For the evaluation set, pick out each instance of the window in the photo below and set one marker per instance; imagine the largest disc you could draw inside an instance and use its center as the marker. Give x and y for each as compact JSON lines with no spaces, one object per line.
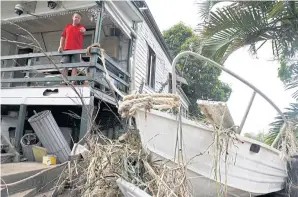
{"x":151,"y":65}
{"x":170,"y":82}
{"x":184,"y":112}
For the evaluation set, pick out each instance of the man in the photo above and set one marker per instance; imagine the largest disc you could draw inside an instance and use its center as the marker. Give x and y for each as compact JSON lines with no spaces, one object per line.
{"x":72,"y":39}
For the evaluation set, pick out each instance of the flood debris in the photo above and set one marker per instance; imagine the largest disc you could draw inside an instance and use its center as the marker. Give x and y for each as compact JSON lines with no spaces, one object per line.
{"x":27,"y":142}
{"x":50,"y":135}
{"x":96,"y":173}
{"x":79,"y":149}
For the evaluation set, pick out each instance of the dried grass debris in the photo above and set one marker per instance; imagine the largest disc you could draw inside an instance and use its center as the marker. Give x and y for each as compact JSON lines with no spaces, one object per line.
{"x":109,"y":160}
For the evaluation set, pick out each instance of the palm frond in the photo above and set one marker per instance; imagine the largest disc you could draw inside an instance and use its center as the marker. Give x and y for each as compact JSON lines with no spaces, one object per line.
{"x":204,"y":8}
{"x":251,"y":22}
{"x":291,"y":113}
{"x":229,"y":29}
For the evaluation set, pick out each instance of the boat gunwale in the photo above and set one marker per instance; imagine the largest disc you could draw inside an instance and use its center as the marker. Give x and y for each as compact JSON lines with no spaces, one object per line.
{"x":191,"y":168}
{"x":201,"y":126}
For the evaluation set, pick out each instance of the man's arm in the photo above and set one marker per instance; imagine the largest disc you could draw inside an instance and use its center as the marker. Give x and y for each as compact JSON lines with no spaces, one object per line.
{"x":62,"y":42}
{"x":62,"y":39}
{"x":82,"y":29}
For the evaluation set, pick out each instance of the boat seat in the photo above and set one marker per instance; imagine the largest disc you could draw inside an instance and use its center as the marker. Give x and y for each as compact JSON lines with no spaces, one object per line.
{"x":217,"y":112}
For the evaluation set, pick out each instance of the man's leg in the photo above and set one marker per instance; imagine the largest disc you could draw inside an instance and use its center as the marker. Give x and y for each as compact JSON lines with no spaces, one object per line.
{"x":75,"y":59}
{"x":65,"y":59}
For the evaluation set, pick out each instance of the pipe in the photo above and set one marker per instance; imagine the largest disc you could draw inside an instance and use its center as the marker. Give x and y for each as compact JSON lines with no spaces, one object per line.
{"x":198,"y":56}
{"x":246,"y":112}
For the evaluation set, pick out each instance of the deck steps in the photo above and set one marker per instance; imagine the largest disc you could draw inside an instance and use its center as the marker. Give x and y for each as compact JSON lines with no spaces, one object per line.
{"x":36,"y":176}
{"x":7,"y":157}
{"x":26,"y":193}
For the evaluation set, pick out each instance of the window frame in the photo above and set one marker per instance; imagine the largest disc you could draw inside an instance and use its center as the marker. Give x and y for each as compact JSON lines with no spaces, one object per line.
{"x":151,"y":67}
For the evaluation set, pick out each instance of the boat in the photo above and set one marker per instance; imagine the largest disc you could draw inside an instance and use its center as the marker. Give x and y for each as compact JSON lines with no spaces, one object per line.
{"x":252,"y":168}
{"x":219,"y":161}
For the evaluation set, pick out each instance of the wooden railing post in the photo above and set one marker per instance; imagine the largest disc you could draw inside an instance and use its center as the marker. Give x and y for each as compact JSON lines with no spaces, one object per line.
{"x":93,"y":61}
{"x":30,"y":61}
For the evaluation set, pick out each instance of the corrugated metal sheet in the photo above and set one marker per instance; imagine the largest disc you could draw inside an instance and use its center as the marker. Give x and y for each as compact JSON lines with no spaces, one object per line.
{"x":50,"y":135}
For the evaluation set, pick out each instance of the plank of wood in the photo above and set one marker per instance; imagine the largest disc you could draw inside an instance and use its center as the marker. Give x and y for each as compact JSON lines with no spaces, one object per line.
{"x":47,"y":66}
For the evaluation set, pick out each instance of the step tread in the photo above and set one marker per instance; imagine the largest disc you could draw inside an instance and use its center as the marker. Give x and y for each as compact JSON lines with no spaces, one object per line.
{"x":7,"y":154}
{"x":21,"y":167}
{"x":23,"y":193}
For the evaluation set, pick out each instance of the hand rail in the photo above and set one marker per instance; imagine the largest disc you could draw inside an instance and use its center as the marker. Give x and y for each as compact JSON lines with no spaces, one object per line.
{"x":53,"y":53}
{"x":109,"y":60}
{"x":200,"y":57}
{"x":112,"y":66}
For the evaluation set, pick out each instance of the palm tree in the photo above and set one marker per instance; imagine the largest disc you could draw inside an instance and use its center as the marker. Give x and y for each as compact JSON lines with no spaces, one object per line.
{"x":291,"y":114}
{"x":253,"y":23}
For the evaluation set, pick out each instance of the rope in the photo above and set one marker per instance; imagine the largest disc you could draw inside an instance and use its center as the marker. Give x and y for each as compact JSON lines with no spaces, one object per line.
{"x":88,"y":50}
{"x":147,"y":101}
{"x":110,"y":82}
{"x":132,"y":102}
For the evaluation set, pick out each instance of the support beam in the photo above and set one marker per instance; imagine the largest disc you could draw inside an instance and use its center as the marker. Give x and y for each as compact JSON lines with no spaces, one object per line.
{"x":84,"y":122}
{"x":86,"y":118}
{"x":99,"y":22}
{"x":94,"y":55}
{"x":20,"y":125}
{"x":246,"y":112}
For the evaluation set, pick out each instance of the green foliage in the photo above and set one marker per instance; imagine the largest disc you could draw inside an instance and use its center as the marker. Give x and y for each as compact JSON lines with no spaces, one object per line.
{"x":291,"y":114}
{"x":261,"y":136}
{"x":176,"y":36}
{"x":253,"y":23}
{"x":203,"y":82}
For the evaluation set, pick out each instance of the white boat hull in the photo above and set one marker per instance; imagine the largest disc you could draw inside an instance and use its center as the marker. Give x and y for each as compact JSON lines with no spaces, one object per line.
{"x":248,"y":174}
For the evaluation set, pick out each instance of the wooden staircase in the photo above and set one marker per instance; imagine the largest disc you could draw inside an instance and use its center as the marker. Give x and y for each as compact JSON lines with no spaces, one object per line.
{"x":27,"y":178}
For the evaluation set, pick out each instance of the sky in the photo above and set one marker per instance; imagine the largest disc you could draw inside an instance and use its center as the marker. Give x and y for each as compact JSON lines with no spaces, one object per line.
{"x":261,"y":71}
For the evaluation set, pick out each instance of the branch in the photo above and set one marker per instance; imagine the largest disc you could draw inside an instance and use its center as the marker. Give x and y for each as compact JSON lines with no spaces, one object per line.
{"x":64,"y":78}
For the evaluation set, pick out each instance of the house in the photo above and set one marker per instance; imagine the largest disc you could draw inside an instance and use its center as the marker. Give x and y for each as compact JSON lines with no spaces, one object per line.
{"x":134,"y":51}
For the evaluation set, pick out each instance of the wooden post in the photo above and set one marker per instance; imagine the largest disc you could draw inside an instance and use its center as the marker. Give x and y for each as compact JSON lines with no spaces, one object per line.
{"x":84,"y":122}
{"x":28,"y":72}
{"x":93,"y":62}
{"x":20,"y":125}
{"x":99,"y":23}
{"x":86,"y":118}
{"x":94,"y":54}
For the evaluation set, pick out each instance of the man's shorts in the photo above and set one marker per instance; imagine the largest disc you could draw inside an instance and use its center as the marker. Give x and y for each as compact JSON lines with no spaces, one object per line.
{"x":71,"y":58}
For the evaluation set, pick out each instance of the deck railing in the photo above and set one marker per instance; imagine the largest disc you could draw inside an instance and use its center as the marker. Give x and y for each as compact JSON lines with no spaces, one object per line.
{"x":90,"y":70}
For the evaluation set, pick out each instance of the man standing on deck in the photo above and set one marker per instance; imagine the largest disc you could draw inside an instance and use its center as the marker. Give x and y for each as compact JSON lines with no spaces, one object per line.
{"x":72,"y":39}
